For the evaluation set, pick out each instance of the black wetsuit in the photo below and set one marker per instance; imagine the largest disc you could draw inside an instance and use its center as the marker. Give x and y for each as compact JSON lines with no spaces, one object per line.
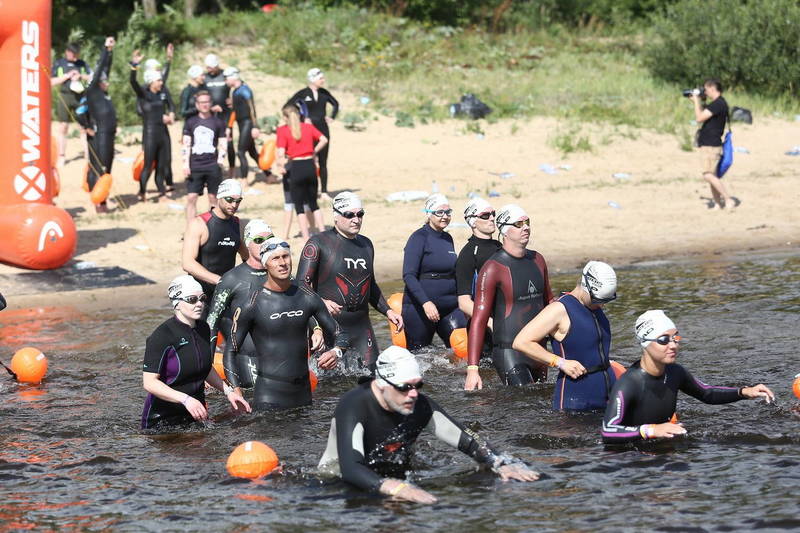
{"x":220,"y":92}
{"x":234,"y":290}
{"x":97,"y":112}
{"x":218,"y":253}
{"x":278,"y":323}
{"x":470,"y":260}
{"x":181,"y":356}
{"x":512,"y":291}
{"x":639,"y":398}
{"x":367,"y":443}
{"x":155,"y":136}
{"x":187,"y":107}
{"x":340,"y":269}
{"x":245,"y":109}
{"x":316,"y":109}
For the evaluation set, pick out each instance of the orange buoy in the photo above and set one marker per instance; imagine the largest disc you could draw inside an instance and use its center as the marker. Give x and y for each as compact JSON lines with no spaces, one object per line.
{"x":85,"y":184}
{"x":458,"y":342}
{"x":617,"y":368}
{"x":796,"y":386}
{"x":312,"y":377}
{"x":395,"y":302}
{"x":138,"y":165}
{"x":251,"y":460}
{"x":29,"y":364}
{"x":674,"y":419}
{"x":267,"y":155}
{"x":218,"y":365}
{"x":101,"y":189}
{"x":36,"y":235}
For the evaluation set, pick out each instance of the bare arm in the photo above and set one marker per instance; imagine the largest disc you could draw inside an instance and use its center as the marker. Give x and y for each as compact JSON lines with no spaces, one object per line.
{"x":194,"y":237}
{"x":552,"y":321}
{"x":159,"y":389}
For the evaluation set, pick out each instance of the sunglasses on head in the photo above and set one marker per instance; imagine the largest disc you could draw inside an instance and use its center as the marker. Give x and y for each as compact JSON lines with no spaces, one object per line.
{"x":663,"y":340}
{"x":193,"y":299}
{"x":441,"y":213}
{"x":405,"y":387}
{"x":260,"y":239}
{"x":232,"y":200}
{"x":349,"y":214}
{"x":519,"y":223}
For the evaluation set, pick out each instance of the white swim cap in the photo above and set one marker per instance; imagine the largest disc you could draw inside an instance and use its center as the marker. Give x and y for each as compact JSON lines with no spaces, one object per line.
{"x":652,"y":324}
{"x":76,"y":86}
{"x":345,"y":201}
{"x":314,"y":74}
{"x":256,"y":227}
{"x":509,"y":214}
{"x":212,"y":61}
{"x":152,"y":64}
{"x":435,"y":201}
{"x":182,"y":286}
{"x":600,"y":281}
{"x":475,"y":207}
{"x":229,"y":187}
{"x":231,"y":72}
{"x":151,"y":75}
{"x":272,"y":246}
{"x":195,"y":71}
{"x":397,"y":365}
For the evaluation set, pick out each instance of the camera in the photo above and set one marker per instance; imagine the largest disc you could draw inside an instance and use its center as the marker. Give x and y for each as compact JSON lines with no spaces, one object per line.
{"x":699,"y":91}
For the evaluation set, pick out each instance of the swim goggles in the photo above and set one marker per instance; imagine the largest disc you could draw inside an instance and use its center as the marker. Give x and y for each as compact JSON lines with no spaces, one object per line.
{"x":193,"y":299}
{"x":484,"y":216}
{"x":663,"y":340}
{"x":440,"y":213}
{"x":260,"y":239}
{"x":273,"y":246}
{"x":232,"y":200}
{"x":349,"y":214}
{"x":405,"y":387}
{"x":518,"y":224}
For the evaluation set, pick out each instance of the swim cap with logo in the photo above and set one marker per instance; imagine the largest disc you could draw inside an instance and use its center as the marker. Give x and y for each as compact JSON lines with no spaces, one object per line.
{"x":229,"y":187}
{"x":509,"y":214}
{"x":181,"y":287}
{"x":314,"y":74}
{"x":231,"y":72}
{"x":652,"y":324}
{"x":600,"y":281}
{"x":345,"y":201}
{"x":435,"y":201}
{"x":212,"y":61}
{"x":256,"y":227}
{"x":195,"y":71}
{"x":475,"y":207}
{"x":272,"y":246}
{"x":151,"y":75}
{"x":396,"y":364}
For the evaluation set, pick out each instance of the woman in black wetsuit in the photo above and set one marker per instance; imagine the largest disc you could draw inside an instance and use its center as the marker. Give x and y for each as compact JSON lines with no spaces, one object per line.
{"x":177,"y":362}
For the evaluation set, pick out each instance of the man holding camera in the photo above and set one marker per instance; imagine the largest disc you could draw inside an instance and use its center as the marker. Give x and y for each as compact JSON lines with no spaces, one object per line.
{"x":712,"y":118}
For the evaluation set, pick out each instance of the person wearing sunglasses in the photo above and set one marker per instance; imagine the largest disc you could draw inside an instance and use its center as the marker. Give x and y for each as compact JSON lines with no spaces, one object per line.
{"x":512,"y":287}
{"x":338,"y":265}
{"x":376,"y":425}
{"x":278,"y":318}
{"x":581,"y":340}
{"x":177,"y":362}
{"x":429,"y":263}
{"x":644,"y":397}
{"x":212,"y":239}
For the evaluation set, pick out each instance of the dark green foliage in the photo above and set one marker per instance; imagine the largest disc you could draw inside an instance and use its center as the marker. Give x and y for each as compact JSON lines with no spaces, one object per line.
{"x":748,"y":45}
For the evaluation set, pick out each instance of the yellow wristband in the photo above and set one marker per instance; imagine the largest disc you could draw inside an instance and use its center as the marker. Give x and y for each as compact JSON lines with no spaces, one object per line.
{"x":317,"y":328}
{"x":472,"y":367}
{"x":553,"y":361}
{"x":398,"y":488}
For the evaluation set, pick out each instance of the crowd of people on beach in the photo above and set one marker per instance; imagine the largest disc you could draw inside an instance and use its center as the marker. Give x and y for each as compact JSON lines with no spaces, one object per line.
{"x":274,"y":324}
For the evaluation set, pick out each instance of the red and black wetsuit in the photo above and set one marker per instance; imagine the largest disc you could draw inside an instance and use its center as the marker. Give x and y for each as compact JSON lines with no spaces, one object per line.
{"x":512,"y":291}
{"x":218,"y":253}
{"x":340,"y":269}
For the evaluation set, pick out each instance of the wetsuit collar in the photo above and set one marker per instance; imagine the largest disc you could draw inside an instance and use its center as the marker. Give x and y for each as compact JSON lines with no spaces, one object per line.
{"x":217,"y":212}
{"x":343,"y":236}
{"x":509,"y":252}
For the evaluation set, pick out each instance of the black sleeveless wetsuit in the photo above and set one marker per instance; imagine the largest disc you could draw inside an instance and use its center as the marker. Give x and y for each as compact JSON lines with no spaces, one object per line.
{"x":639,"y":398}
{"x":340,"y":269}
{"x":512,"y":291}
{"x":470,"y":260}
{"x":367,"y":443}
{"x":155,"y":136}
{"x":315,"y":109}
{"x":181,"y":356}
{"x":218,"y":254}
{"x":234,"y":290}
{"x":244,"y":107}
{"x":278,"y":323}
{"x":220,"y":92}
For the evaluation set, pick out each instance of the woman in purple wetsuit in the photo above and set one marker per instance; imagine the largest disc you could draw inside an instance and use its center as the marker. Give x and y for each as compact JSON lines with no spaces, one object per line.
{"x":430,"y":300}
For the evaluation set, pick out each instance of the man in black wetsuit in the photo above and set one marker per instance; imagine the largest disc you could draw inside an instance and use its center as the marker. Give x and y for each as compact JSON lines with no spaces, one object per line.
{"x":479,"y":215}
{"x":644,"y":398}
{"x":97,"y":116}
{"x":220,"y":93}
{"x":338,"y":265}
{"x":313,"y":101}
{"x":278,"y":318}
{"x":213,"y":238}
{"x":69,"y":72}
{"x":203,"y":153}
{"x":243,"y":105}
{"x":512,"y":287}
{"x":376,"y":425}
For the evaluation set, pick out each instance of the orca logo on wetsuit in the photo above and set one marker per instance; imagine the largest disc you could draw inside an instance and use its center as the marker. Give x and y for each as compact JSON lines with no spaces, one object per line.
{"x":354,"y":263}
{"x":290,"y":314}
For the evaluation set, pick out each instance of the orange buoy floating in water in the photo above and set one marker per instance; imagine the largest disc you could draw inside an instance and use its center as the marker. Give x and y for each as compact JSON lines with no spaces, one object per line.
{"x":395,"y":302}
{"x":251,"y":460}
{"x":29,"y":364}
{"x":458,"y":342}
{"x":218,"y":365}
{"x":617,"y":368}
{"x":267,"y":155}
{"x":101,"y":189}
{"x":796,"y":386}
{"x":312,"y":377}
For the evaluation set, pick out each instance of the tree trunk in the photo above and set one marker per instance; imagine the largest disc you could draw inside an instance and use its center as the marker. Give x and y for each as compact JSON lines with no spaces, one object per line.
{"x":189,"y":8}
{"x":150,"y":8}
{"x":499,"y":11}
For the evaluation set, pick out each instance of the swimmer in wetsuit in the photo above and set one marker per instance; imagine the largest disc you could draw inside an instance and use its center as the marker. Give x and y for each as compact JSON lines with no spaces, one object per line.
{"x":375,"y":427}
{"x":429,"y":300}
{"x":177,"y":360}
{"x":644,"y":397}
{"x":581,"y":339}
{"x":212,"y":239}
{"x":243,"y":105}
{"x":513,"y":286}
{"x":479,"y":216}
{"x":278,"y":318}
{"x":338,"y":265}
{"x":186,"y":106}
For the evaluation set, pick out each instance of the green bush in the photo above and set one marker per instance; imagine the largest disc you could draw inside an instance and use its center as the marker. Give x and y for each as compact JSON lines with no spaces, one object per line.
{"x":748,"y":45}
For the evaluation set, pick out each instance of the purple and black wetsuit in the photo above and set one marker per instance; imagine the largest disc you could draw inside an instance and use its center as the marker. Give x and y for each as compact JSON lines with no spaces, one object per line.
{"x":639,"y":398}
{"x":181,"y":356}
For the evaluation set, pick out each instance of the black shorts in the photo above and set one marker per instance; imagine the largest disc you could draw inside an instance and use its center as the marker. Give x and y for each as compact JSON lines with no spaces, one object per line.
{"x":211,"y":177}
{"x":66,"y":104}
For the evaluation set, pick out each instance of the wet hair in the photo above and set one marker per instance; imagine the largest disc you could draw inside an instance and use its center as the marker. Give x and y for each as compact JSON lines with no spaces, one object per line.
{"x":714,"y":82}
{"x":292,"y":116}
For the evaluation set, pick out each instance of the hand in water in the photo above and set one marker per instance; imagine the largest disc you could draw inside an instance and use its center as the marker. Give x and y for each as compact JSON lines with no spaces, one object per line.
{"x":759,"y":391}
{"x":236,"y":399}
{"x":195,"y":408}
{"x":328,"y":360}
{"x":518,"y":472}
{"x":667,"y":430}
{"x":407,"y":492}
{"x":473,"y":380}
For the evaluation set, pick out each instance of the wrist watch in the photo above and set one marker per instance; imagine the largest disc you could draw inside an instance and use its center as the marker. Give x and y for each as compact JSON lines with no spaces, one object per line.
{"x":338,"y":352}
{"x":227,"y":389}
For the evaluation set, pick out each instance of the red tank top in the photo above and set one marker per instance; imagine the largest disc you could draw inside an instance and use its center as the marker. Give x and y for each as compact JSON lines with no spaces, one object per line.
{"x":309,"y":136}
